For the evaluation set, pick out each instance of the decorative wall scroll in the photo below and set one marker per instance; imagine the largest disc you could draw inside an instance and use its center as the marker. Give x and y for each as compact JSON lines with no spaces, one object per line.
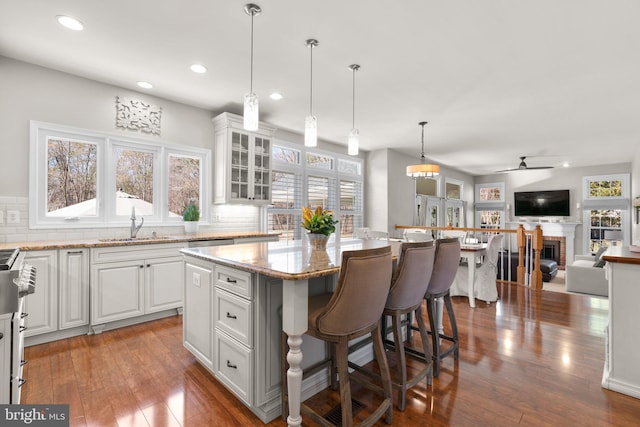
{"x":138,"y":115}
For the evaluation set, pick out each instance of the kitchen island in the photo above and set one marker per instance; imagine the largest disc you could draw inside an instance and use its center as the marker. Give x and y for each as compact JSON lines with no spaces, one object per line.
{"x":233,"y":299}
{"x":622,"y":344}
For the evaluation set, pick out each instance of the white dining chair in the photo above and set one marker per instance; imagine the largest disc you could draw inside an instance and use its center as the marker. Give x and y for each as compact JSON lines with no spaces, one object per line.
{"x":484,"y":282}
{"x":417,"y":236}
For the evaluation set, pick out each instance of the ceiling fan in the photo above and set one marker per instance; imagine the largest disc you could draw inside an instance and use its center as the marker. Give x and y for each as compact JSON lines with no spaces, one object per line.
{"x":523,"y":166}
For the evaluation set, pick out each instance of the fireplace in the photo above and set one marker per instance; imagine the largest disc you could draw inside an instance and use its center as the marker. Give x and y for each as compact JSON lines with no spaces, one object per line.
{"x":554,"y":247}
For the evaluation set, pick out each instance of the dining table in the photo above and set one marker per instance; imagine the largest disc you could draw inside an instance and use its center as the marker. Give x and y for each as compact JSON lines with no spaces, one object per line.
{"x":472,"y":253}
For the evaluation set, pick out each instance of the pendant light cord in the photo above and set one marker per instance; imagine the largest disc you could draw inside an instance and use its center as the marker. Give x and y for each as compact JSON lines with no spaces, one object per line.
{"x":251,"y":73}
{"x":353,"y":122}
{"x":311,"y":83}
{"x":422,"y":153}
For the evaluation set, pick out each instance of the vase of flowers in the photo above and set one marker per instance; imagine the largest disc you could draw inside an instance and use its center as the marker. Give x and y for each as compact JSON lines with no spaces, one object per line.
{"x":191,"y":216}
{"x":320,"y":224}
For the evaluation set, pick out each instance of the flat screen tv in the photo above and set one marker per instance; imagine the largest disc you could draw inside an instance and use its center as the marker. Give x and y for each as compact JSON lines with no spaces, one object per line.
{"x":541,"y":203}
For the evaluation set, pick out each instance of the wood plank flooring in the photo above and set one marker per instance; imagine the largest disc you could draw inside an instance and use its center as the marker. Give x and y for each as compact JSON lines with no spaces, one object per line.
{"x":534,"y":358}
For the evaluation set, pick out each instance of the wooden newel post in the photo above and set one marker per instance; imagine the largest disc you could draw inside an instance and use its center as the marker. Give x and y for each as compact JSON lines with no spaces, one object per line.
{"x":521,"y":240}
{"x":536,"y":275}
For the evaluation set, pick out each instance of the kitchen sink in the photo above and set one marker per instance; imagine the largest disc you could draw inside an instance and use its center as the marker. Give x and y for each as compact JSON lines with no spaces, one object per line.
{"x":135,"y":239}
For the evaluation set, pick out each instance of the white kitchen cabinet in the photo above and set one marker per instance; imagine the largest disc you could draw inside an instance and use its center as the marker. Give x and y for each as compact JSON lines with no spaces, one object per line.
{"x":243,"y":161}
{"x":5,"y":357}
{"x":117,"y":291}
{"x":74,"y":287}
{"x":42,"y":305}
{"x":132,"y":281}
{"x":198,"y":310}
{"x":163,"y":284}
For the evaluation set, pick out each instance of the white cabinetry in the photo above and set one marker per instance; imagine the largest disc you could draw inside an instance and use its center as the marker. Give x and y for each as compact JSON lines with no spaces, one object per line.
{"x":233,"y":361}
{"x":74,"y":287}
{"x":243,"y":161}
{"x":131,"y":281}
{"x":5,"y":357}
{"x":622,"y":339}
{"x":198,"y":310}
{"x":42,"y":305}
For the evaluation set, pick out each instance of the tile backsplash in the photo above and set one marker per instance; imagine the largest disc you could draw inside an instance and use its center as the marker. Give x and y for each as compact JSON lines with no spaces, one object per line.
{"x":14,"y":224}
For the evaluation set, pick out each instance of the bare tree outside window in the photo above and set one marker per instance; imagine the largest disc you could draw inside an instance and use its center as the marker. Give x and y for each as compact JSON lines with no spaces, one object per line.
{"x":134,"y":173}
{"x":71,"y":175}
{"x":184,"y":183}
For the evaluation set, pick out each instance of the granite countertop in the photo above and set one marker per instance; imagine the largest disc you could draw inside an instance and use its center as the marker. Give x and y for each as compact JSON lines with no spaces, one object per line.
{"x":288,"y":260}
{"x":123,"y":241}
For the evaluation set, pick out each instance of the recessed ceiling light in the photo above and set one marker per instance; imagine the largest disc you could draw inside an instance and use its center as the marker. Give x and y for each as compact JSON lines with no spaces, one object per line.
{"x":145,"y":85}
{"x":275,"y":95}
{"x":565,"y":165}
{"x":70,"y":23}
{"x":198,"y":68}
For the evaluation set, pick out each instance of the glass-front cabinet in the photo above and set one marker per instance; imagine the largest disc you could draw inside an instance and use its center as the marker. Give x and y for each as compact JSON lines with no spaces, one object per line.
{"x":243,"y":161}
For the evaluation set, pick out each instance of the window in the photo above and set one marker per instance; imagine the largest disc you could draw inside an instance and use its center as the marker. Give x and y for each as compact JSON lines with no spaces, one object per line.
{"x":323,"y":179}
{"x":606,"y":206}
{"x":82,"y":178}
{"x":72,"y":167}
{"x":490,"y":205}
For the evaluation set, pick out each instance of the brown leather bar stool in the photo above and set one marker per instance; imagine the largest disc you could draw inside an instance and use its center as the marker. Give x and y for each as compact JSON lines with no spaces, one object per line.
{"x":445,"y":266}
{"x":353,"y":310}
{"x":408,"y":286}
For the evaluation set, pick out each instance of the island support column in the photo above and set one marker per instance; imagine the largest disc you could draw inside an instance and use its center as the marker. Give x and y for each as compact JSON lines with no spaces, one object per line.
{"x":295,"y":295}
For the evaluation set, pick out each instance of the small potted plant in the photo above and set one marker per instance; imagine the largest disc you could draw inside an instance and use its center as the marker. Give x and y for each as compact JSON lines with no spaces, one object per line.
{"x":191,"y":216}
{"x":320,"y":224}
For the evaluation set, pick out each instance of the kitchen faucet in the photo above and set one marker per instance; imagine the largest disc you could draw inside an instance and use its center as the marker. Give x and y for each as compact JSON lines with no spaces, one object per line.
{"x":134,"y":228}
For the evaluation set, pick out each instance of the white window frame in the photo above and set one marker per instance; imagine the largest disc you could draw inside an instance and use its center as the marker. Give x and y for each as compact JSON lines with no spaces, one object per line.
{"x":492,"y":205}
{"x":106,"y":144}
{"x":622,"y":203}
{"x":303,"y":172}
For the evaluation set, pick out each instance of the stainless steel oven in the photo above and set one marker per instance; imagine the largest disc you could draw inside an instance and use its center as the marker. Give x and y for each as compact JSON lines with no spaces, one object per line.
{"x":17,"y":280}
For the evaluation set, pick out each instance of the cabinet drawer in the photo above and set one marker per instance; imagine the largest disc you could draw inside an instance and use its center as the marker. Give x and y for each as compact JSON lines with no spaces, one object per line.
{"x":234,"y":281}
{"x":126,"y":253}
{"x":234,"y":316}
{"x":234,"y":366}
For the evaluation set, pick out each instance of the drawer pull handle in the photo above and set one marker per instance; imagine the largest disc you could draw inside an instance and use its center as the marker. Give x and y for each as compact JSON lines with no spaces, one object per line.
{"x":230,"y":280}
{"x":229,"y":365}
{"x":21,"y":382}
{"x":23,"y":328}
{"x":23,"y":362}
{"x":231,"y":316}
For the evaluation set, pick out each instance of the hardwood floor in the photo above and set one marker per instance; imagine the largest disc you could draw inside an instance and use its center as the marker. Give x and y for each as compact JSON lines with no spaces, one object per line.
{"x":532,"y":358}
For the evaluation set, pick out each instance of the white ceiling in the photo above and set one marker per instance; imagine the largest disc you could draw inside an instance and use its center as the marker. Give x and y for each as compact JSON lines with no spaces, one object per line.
{"x":496,"y":79}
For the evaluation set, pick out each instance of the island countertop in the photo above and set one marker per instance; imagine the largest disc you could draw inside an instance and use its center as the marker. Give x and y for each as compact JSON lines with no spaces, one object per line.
{"x":287,"y":260}
{"x":621,"y":254}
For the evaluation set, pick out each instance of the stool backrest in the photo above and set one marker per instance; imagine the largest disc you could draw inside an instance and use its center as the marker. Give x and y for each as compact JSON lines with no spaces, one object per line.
{"x":412,"y":275}
{"x":358,"y":300}
{"x":445,"y":266}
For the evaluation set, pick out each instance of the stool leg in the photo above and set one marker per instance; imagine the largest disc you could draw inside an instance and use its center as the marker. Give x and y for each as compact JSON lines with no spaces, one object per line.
{"x":454,"y":325}
{"x":424,"y":337}
{"x":381,"y":357}
{"x":401,"y":361}
{"x":284,"y":366}
{"x":435,"y":337}
{"x":345,"y":388}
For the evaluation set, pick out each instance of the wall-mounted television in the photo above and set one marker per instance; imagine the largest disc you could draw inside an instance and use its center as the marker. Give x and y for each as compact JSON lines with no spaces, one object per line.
{"x":541,"y":203}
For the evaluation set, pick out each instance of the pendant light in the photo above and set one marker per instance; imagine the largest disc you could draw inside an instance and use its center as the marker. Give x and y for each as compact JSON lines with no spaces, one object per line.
{"x":310,"y":122}
{"x":354,"y":135}
{"x":423,"y":170}
{"x":251,"y":99}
